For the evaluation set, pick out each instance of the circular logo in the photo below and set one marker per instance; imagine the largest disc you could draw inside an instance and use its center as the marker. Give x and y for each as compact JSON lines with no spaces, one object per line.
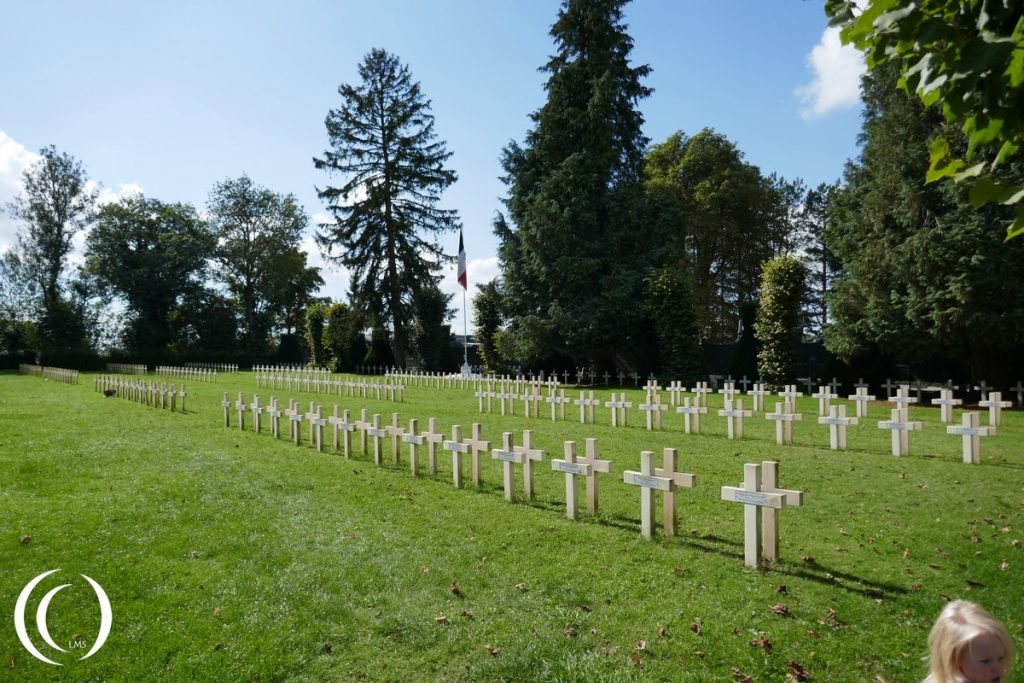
{"x":106,"y":618}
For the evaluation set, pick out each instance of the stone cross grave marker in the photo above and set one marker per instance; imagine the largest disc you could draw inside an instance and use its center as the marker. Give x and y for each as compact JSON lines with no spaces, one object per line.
{"x":395,"y":431}
{"x":902,"y":399}
{"x":294,"y":414}
{"x":529,"y":454}
{"x":790,"y":394}
{"x":807,"y":382}
{"x":477,"y":447}
{"x":861,"y":399}
{"x":668,"y":471}
{"x":691,"y":412}
{"x":757,"y":395}
{"x":240,"y":408}
{"x":1019,"y":389}
{"x":783,"y":418}
{"x":508,"y":457}
{"x":586,"y":405}
{"x":343,"y":425}
{"x":729,"y":390}
{"x":319,"y":422}
{"x":310,"y":417}
{"x":835,"y":385}
{"x":618,"y":407}
{"x":971,"y":430}
{"x":652,"y":385}
{"x":824,"y":397}
{"x":995,"y":405}
{"x":376,"y":432}
{"x":559,"y":401}
{"x":480,"y":394}
{"x":433,"y":438}
{"x":274,"y":413}
{"x":457,"y":447}
{"x":415,"y":440}
{"x":901,"y":426}
{"x":648,"y":483}
{"x":226,"y":404}
{"x":745,"y":383}
{"x":257,"y":411}
{"x":734,"y":415}
{"x":837,"y":422}
{"x":945,"y":401}
{"x":597,"y":466}
{"x":701,"y":392}
{"x":653,"y":407}
{"x":675,"y":390}
{"x":572,"y":469}
{"x":363,"y":425}
{"x":757,"y":495}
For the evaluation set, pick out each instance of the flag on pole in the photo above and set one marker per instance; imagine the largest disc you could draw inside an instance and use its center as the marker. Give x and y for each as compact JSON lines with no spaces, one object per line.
{"x":462,"y":262}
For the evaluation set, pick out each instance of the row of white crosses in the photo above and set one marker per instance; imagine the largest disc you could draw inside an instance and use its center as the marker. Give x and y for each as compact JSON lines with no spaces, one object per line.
{"x":756,"y":492}
{"x":127,"y":368}
{"x":314,"y":383}
{"x":62,"y":375}
{"x":154,"y":394}
{"x":198,"y":374}
{"x":216,"y":367}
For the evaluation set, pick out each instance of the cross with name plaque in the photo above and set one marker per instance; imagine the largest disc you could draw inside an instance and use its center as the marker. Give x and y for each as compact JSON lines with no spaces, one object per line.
{"x":529,"y":454}
{"x":648,"y":482}
{"x":457,"y":447}
{"x":311,"y":417}
{"x":477,"y":447}
{"x":691,"y":411}
{"x":945,"y":401}
{"x":274,"y":413}
{"x":558,"y":401}
{"x":675,"y":389}
{"x":668,"y":470}
{"x":995,"y":405}
{"x":395,"y":431}
{"x":757,"y":395}
{"x":861,"y":398}
{"x":790,"y":394}
{"x":572,"y":469}
{"x":901,"y":426}
{"x":240,"y":408}
{"x":701,"y":392}
{"x":653,"y":407}
{"x":343,"y":425}
{"x":377,"y":433}
{"x":971,"y":430}
{"x":319,"y":422}
{"x":618,"y":407}
{"x":586,"y":405}
{"x":415,"y":440}
{"x":837,"y":422}
{"x":226,"y":404}
{"x":783,"y":418}
{"x":760,"y":531}
{"x":902,"y":398}
{"x":362,"y":424}
{"x":294,"y":414}
{"x":824,"y":397}
{"x":433,"y":438}
{"x":508,"y":457}
{"x":734,"y":417}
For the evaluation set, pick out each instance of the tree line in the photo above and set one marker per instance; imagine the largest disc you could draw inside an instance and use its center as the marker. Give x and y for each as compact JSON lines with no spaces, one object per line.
{"x":614,"y":252}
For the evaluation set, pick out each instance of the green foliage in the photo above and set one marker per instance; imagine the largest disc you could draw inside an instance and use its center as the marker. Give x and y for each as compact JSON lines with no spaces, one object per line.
{"x":822,"y":264}
{"x":574,"y":253}
{"x":669,"y":298}
{"x":488,"y":317}
{"x":967,"y":58}
{"x":382,"y":142}
{"x":431,"y":334}
{"x":921,"y":275}
{"x":258,"y":232}
{"x":153,"y":255}
{"x":378,"y":351}
{"x":316,"y":316}
{"x":722,"y":218}
{"x":778,"y":324}
{"x":343,"y":338}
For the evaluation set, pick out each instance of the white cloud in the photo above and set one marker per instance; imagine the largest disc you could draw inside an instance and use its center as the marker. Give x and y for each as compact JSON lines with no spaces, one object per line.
{"x":837,"y":71}
{"x":336,"y":278}
{"x":107,"y":195}
{"x":15,"y":159}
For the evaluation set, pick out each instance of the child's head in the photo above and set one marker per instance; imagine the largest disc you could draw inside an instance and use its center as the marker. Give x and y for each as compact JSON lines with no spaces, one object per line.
{"x":967,"y":643}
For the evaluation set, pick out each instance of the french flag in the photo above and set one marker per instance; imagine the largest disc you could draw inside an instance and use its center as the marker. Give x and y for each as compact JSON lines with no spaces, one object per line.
{"x":462,"y":262}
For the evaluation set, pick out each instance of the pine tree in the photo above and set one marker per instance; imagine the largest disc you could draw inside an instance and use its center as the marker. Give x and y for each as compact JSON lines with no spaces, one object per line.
{"x":382,"y":142}
{"x":572,"y":258}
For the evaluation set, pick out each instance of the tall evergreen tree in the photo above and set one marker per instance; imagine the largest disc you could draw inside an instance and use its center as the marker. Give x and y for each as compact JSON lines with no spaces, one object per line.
{"x":382,"y":142}
{"x":572,"y":258}
{"x":821,"y":263}
{"x":922,"y":277}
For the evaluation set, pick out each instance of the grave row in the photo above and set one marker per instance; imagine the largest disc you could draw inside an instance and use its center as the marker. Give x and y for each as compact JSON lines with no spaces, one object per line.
{"x":154,"y":394}
{"x":364,"y":389}
{"x":127,"y":368}
{"x":198,"y":374}
{"x":46,"y":372}
{"x":216,"y":367}
{"x":758,"y":492}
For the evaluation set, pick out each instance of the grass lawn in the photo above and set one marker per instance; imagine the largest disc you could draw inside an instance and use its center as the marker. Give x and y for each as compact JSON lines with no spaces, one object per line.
{"x":229,"y":556}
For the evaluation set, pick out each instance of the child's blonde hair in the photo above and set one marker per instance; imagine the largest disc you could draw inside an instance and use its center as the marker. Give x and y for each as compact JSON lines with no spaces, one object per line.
{"x":959,"y":623}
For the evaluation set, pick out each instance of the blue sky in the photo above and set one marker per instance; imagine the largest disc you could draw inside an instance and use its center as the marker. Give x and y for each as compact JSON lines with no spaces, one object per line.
{"x":170,"y":98}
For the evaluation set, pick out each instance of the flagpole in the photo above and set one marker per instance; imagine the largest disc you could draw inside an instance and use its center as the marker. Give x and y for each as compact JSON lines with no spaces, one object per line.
{"x":465,"y":332}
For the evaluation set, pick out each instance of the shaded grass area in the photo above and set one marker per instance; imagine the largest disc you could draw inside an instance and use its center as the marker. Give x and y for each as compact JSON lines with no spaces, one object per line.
{"x":230,"y":556}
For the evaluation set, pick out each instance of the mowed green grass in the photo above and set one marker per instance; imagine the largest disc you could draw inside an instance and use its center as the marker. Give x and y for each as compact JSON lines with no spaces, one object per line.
{"x":229,"y":556}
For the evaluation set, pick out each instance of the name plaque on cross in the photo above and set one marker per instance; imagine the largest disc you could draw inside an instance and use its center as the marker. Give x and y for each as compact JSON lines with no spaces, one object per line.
{"x":570,"y":468}
{"x":647,"y":481}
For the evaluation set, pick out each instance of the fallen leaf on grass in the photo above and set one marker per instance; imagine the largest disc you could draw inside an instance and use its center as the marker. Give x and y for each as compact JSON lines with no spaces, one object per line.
{"x":424,"y":569}
{"x":781,"y":609}
{"x":586,"y":608}
{"x":216,"y":611}
{"x":25,"y":540}
{"x":807,"y":559}
{"x":217,"y":646}
{"x":641,"y":646}
{"x":327,"y":647}
{"x":762,"y":643}
{"x":700,"y":655}
{"x":695,"y":627}
{"x":466,"y":613}
{"x":455,"y":589}
{"x":570,"y":633}
{"x":743,"y":678}
{"x":636,"y":659}
{"x":492,"y":650}
{"x":797,"y":671}
{"x":783,"y":590}
{"x":813,"y":634}
{"x":441,"y":619}
{"x":521,"y":587}
{"x":1004,"y":565}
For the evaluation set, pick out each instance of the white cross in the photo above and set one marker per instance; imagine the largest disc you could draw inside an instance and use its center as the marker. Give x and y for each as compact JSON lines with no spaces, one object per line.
{"x":653,"y":408}
{"x":790,"y":394}
{"x":586,"y":406}
{"x":945,"y":401}
{"x":648,"y":483}
{"x":674,"y":390}
{"x":477,"y":446}
{"x":691,"y":411}
{"x":457,"y":447}
{"x":995,"y":405}
{"x":971,"y":430}
{"x":559,"y":401}
{"x":319,"y":422}
{"x":783,"y":417}
{"x":572,"y":469}
{"x":701,"y":392}
{"x":861,"y":398}
{"x":508,"y":457}
{"x":616,"y":406}
{"x":824,"y":397}
{"x":226,"y":404}
{"x":668,"y":470}
{"x":734,"y":417}
{"x":434,"y":438}
{"x":343,"y":425}
{"x":900,"y":425}
{"x":729,"y":390}
{"x":378,"y":433}
{"x":274,"y":413}
{"x":902,"y":398}
{"x":240,"y":407}
{"x":758,"y":393}
{"x":837,"y":422}
{"x":529,"y":454}
{"x":415,"y":440}
{"x":395,"y":431}
{"x":755,"y":495}
{"x":596,"y":466}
